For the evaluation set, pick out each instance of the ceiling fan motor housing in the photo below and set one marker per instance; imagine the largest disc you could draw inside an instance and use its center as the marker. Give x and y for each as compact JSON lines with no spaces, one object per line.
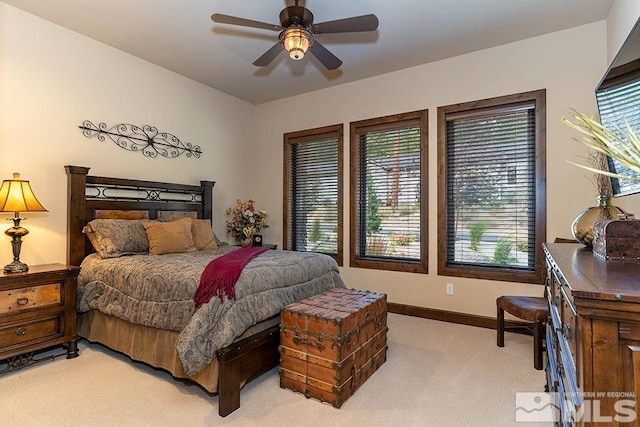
{"x":296,"y":16}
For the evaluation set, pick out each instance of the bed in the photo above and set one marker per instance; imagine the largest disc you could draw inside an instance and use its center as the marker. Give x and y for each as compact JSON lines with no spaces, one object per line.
{"x":220,"y":345}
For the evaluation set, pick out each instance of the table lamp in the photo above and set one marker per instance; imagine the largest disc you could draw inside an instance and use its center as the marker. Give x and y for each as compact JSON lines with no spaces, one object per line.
{"x":17,"y":196}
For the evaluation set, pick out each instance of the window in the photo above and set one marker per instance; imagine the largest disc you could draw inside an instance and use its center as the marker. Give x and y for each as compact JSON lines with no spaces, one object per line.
{"x":491,"y":188}
{"x":388,"y":185}
{"x":313,"y":191}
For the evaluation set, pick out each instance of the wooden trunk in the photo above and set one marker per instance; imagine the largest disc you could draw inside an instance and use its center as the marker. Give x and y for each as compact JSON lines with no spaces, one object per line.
{"x":616,"y":239}
{"x":332,"y":343}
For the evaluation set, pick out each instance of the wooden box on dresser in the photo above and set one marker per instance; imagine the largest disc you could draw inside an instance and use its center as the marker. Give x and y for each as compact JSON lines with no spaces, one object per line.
{"x":593,"y":336}
{"x":37,"y":311}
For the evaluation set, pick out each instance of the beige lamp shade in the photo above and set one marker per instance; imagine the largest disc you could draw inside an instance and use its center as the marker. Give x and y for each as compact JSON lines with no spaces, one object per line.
{"x":16,"y":195}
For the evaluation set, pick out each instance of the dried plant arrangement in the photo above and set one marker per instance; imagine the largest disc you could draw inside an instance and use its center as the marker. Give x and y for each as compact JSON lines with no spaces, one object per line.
{"x":601,"y":182}
{"x":622,"y":145}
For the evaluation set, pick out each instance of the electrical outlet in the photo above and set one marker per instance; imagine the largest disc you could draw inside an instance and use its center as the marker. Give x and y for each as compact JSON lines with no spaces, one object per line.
{"x":449,"y":288}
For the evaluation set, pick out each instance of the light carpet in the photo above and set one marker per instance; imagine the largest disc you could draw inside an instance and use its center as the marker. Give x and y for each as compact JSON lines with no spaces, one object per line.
{"x":436,"y":374}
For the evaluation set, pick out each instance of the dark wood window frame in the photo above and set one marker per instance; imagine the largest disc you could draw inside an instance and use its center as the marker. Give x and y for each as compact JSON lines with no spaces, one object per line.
{"x":473,"y":108}
{"x":376,"y":124}
{"x":311,"y":135}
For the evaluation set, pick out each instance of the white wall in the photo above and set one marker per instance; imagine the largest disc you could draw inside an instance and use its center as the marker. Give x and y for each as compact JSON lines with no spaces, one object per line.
{"x":623,"y":15}
{"x":52,"y":79}
{"x":568,"y":64}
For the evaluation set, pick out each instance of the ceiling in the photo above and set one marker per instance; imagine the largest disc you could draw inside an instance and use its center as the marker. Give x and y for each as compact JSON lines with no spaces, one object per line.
{"x":180,"y":36}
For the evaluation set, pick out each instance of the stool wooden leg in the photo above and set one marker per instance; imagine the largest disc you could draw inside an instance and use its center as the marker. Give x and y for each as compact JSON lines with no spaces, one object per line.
{"x":538,"y":333}
{"x":500,"y":328}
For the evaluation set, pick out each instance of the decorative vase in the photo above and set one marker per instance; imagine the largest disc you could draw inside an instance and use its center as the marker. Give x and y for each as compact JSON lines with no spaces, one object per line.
{"x":582,"y":227}
{"x":245,"y":242}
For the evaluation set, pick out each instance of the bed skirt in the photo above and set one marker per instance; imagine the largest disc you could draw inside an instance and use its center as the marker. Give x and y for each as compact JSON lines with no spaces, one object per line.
{"x":156,"y":347}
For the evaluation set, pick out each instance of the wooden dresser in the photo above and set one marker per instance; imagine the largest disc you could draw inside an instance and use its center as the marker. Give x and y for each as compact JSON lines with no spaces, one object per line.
{"x":593,"y":336}
{"x":37,"y":311}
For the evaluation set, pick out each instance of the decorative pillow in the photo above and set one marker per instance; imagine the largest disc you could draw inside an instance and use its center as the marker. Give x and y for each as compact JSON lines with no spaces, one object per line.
{"x":203,"y":237}
{"x":112,"y":238}
{"x":169,"y":237}
{"x":202,"y":233}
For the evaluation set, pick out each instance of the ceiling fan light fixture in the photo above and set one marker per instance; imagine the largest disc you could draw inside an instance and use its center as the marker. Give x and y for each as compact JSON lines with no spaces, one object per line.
{"x":297,"y":33}
{"x":296,"y":41}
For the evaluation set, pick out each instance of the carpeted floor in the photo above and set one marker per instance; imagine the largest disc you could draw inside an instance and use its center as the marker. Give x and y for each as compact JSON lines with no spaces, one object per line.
{"x":436,"y":374}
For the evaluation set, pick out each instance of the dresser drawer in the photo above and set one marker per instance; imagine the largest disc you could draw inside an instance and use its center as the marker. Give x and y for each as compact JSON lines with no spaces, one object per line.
{"x":552,"y":369}
{"x":568,"y":374}
{"x":569,"y":322}
{"x":567,"y":405}
{"x":629,"y":331}
{"x":34,"y":330}
{"x":16,"y":300}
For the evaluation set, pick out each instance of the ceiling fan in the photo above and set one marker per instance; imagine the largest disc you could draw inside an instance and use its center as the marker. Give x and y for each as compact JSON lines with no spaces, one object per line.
{"x":297,"y":33}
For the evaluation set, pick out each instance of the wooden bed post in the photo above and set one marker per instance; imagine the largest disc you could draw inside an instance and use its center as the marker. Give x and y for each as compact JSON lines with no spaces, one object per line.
{"x":207,"y":199}
{"x":243,"y":361}
{"x":76,"y":211}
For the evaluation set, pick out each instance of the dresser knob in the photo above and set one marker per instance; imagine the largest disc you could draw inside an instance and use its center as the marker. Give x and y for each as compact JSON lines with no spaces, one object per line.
{"x":21,"y":331}
{"x":23,"y":301}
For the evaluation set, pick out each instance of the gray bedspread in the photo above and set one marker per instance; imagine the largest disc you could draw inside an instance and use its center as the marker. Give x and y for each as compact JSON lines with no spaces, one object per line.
{"x":158,"y":290}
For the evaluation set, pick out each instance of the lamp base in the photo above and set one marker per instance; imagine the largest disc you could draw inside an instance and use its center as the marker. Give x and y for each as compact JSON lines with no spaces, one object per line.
{"x":16,"y":267}
{"x":16,"y":233}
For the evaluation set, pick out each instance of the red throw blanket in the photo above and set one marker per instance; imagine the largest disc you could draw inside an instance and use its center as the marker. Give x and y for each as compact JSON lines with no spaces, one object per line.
{"x":221,"y":274}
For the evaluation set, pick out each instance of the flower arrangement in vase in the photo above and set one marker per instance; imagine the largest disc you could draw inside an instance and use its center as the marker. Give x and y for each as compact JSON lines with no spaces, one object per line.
{"x":246,"y":221}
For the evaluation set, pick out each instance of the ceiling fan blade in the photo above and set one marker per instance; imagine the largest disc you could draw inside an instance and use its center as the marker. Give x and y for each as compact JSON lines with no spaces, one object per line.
{"x":326,"y":58}
{"x":234,"y":20}
{"x":347,"y":25}
{"x":269,"y":55}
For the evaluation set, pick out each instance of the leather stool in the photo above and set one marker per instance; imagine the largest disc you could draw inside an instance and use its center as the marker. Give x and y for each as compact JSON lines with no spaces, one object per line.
{"x":531,"y":309}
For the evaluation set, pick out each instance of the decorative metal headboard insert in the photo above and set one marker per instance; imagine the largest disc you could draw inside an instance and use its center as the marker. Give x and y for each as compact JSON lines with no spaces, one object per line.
{"x":145,"y":139}
{"x":141,"y":193}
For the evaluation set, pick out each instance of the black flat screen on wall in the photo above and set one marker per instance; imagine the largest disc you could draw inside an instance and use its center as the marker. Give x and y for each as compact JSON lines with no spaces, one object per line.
{"x":618,"y":98}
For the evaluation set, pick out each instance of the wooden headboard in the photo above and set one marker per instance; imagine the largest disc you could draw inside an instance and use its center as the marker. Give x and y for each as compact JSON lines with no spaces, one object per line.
{"x":90,"y":197}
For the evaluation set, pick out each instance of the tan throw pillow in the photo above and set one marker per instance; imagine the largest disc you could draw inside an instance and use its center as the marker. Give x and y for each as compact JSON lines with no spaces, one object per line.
{"x":203,"y":234}
{"x":169,"y":237}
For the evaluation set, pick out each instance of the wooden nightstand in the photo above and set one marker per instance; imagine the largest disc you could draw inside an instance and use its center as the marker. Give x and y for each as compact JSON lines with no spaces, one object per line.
{"x":37,"y":311}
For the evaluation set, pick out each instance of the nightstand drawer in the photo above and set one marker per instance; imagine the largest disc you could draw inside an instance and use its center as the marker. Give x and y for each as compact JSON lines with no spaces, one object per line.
{"x":16,"y":300}
{"x":31,"y":331}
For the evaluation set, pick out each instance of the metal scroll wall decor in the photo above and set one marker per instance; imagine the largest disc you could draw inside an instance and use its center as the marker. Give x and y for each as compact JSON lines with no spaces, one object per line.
{"x":145,"y":139}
